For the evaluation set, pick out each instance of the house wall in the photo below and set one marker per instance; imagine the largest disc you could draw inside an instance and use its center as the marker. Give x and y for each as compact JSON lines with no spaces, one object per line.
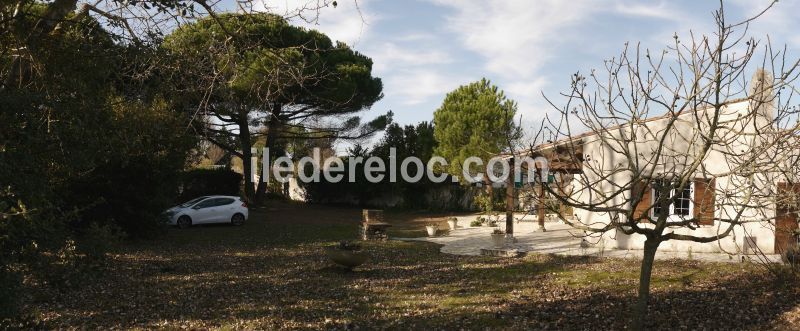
{"x":605,"y":160}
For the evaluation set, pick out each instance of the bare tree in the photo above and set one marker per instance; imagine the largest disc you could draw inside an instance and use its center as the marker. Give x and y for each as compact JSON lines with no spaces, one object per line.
{"x":679,"y":145}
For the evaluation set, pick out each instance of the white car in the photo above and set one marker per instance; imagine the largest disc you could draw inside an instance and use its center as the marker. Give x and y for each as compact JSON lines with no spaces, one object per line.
{"x":208,"y":209}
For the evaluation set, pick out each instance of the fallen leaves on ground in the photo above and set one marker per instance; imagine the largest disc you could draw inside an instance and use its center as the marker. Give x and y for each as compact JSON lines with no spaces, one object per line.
{"x":271,"y":274}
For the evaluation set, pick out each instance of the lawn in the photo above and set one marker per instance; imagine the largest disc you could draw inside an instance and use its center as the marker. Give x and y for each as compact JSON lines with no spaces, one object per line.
{"x":271,"y":274}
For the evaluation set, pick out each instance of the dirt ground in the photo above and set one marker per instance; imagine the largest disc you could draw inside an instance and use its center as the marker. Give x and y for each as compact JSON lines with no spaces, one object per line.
{"x":271,"y":273}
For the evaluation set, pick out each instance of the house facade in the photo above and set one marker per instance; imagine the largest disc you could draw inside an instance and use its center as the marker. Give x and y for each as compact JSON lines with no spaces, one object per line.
{"x":743,"y":175}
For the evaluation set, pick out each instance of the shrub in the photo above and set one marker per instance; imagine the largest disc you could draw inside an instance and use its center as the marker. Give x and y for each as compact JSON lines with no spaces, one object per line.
{"x":476,"y":222}
{"x":199,"y":182}
{"x":10,"y":282}
{"x":130,"y":196}
{"x":97,"y":240}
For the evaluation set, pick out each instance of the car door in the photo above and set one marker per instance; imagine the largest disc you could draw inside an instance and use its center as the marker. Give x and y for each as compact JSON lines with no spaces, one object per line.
{"x":224,"y":210}
{"x":204,"y":211}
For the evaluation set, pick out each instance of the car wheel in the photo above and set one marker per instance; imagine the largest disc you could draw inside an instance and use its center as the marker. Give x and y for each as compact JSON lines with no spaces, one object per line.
{"x":237,"y":219}
{"x":184,"y":222}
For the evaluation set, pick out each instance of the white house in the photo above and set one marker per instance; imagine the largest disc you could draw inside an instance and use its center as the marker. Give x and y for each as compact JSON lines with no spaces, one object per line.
{"x":743,"y":174}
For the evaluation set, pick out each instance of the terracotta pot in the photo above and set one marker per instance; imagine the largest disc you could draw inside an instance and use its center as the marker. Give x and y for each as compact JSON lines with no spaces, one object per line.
{"x":346,"y":258}
{"x":498,"y":240}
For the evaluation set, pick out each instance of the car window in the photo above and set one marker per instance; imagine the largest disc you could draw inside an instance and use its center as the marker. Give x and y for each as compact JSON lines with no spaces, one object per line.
{"x":224,"y":201}
{"x":191,"y":202}
{"x":206,"y":203}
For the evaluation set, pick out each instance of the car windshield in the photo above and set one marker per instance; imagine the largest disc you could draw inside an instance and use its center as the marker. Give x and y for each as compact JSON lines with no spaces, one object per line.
{"x":191,"y":202}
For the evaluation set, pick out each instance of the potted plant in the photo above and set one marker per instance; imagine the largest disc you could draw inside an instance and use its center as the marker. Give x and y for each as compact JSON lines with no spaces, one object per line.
{"x":431,"y":227}
{"x":493,"y":219}
{"x":452,"y":222}
{"x":347,"y":254}
{"x":498,"y":238}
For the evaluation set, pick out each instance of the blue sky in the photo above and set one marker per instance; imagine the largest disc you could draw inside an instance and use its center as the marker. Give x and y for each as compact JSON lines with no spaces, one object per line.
{"x":423,"y":49}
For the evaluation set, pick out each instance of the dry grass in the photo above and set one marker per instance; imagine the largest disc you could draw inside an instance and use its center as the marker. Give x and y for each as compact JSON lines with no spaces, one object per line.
{"x":271,"y":274}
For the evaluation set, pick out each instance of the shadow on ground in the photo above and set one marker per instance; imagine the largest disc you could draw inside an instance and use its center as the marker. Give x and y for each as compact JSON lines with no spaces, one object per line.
{"x":271,"y":274}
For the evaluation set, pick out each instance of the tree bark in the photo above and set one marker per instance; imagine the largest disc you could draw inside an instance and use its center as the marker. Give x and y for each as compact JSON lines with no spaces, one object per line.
{"x":510,"y":201}
{"x":640,"y":310}
{"x":247,"y":169}
{"x":541,"y":208}
{"x":273,"y":125}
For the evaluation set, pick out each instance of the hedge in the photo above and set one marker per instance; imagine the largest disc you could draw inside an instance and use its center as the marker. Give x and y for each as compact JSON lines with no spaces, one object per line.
{"x":199,"y":182}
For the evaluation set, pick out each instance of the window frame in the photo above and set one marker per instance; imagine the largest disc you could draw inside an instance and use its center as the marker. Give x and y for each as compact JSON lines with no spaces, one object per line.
{"x":671,"y":212}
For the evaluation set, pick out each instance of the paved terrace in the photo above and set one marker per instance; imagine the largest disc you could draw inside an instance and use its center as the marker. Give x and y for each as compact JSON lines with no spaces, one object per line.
{"x":559,"y":239}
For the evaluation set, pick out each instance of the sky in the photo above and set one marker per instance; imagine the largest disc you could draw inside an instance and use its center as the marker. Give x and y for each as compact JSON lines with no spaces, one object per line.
{"x":422,"y":49}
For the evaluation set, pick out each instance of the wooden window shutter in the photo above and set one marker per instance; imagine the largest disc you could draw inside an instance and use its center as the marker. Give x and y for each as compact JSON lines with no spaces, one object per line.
{"x":704,"y":196}
{"x":644,"y":205}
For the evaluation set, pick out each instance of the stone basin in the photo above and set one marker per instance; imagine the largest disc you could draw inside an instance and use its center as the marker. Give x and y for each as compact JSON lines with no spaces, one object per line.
{"x":346,"y":258}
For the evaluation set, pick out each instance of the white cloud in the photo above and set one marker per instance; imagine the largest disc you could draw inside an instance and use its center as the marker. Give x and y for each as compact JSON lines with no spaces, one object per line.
{"x":660,"y":10}
{"x":416,"y":36}
{"x":518,"y":37}
{"x":779,"y":22}
{"x":527,"y":88}
{"x":420,"y":85}
{"x":348,"y":22}
{"x":515,"y":37}
{"x":528,"y":94}
{"x":390,"y":55}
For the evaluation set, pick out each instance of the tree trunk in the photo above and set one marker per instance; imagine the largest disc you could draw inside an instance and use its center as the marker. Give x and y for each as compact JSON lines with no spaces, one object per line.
{"x":273,"y":125}
{"x":510,"y":202}
{"x":640,"y":310}
{"x":247,"y":169}
{"x":261,"y":190}
{"x":490,"y":192}
{"x":540,"y":212}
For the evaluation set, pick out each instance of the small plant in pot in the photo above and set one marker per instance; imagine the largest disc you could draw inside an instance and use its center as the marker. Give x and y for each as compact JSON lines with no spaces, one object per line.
{"x":492,"y":219}
{"x":347,"y":254}
{"x":431,"y":228}
{"x":498,"y":238}
{"x":452,"y":222}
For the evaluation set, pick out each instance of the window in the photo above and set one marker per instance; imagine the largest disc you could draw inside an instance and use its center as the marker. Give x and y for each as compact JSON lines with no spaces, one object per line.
{"x":206,"y":203}
{"x":191,"y":202}
{"x":680,"y":201}
{"x":224,"y":201}
{"x":683,"y":202}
